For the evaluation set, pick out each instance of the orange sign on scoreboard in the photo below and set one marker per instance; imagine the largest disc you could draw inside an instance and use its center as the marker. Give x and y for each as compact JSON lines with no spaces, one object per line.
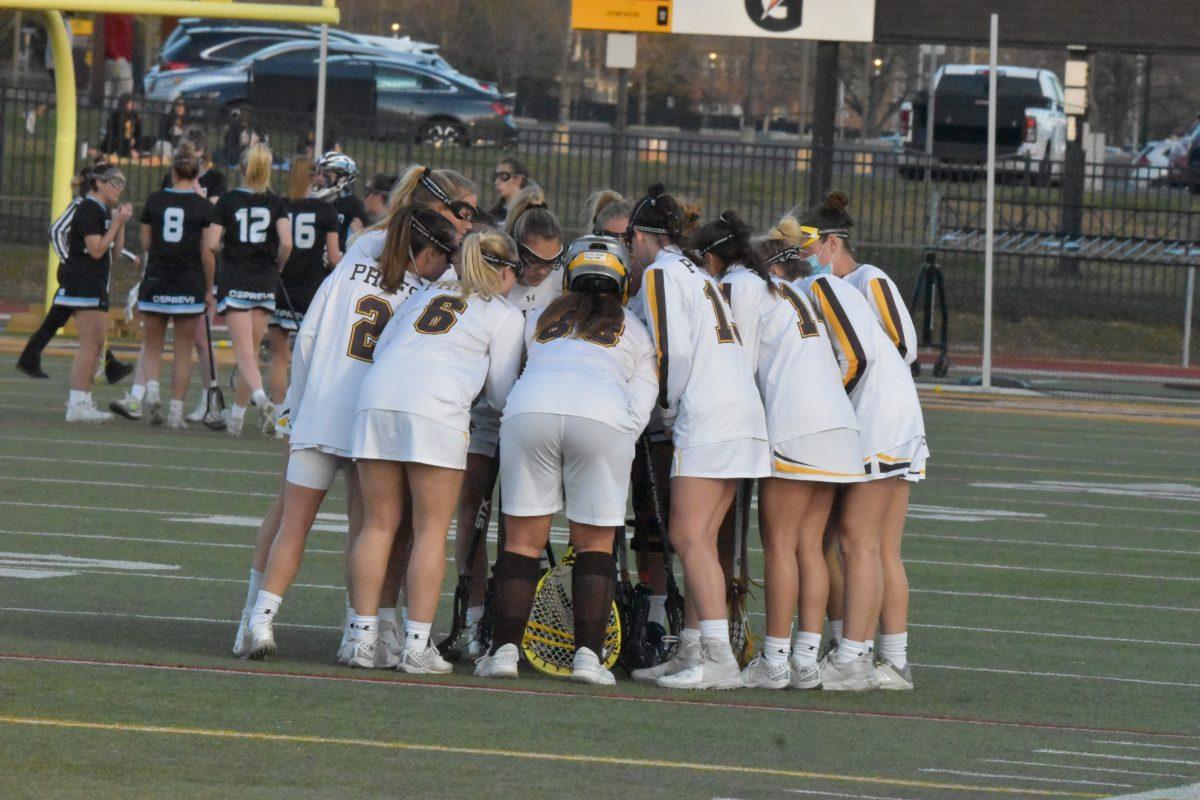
{"x":635,"y":16}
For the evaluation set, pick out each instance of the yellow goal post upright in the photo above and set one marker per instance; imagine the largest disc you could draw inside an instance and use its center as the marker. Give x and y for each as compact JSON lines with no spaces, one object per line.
{"x":64,"y":70}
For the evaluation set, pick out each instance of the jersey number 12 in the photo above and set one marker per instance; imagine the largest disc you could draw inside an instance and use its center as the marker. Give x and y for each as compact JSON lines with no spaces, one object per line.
{"x":252,"y":224}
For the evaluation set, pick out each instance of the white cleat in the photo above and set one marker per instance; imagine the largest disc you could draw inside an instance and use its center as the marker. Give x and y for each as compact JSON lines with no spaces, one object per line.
{"x":685,"y":656}
{"x":716,"y":669}
{"x":128,"y":407}
{"x":848,"y":676}
{"x":197,"y":413}
{"x":175,"y":421}
{"x":233,"y":425}
{"x":266,"y":420}
{"x":360,"y":654}
{"x":389,"y":646}
{"x":262,"y":642}
{"x":241,"y":640}
{"x":762,"y":674}
{"x":86,"y":411}
{"x":586,"y":668}
{"x":501,"y":664}
{"x":804,"y":676}
{"x":426,"y":662}
{"x":892,"y":678}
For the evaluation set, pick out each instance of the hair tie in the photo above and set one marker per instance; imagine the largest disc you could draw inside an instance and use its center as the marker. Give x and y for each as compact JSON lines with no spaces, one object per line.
{"x":537,"y":205}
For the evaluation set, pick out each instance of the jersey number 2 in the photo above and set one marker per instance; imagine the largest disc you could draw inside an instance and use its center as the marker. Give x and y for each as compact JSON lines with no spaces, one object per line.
{"x":365,"y":333}
{"x":440,"y":315}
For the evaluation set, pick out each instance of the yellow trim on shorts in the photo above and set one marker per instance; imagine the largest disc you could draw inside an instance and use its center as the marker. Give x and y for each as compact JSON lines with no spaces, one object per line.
{"x":783,"y":466}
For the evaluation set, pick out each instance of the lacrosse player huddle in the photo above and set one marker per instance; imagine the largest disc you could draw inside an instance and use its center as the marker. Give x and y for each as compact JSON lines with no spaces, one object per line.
{"x":447,"y":360}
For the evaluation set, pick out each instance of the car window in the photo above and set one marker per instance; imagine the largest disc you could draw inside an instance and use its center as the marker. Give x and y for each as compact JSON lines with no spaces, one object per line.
{"x":390,"y":79}
{"x":240,"y":48}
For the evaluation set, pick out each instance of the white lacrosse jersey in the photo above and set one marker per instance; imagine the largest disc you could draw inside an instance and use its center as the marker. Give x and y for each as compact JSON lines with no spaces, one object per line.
{"x":530,"y":298}
{"x":798,"y":376}
{"x":611,"y":377}
{"x":437,"y":355}
{"x":877,"y":380}
{"x":883,"y":296}
{"x":706,"y":387}
{"x":334,"y":350}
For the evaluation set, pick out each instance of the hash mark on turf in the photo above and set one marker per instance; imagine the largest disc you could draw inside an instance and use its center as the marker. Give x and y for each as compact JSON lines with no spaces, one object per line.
{"x":1111,"y":757}
{"x":1122,"y":771}
{"x":1081,"y":636}
{"x":966,"y":774}
{"x":1139,"y":681}
{"x":1147,"y":744}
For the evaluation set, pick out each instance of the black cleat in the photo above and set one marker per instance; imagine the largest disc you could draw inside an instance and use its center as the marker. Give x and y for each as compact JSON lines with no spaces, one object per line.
{"x":117,"y":371}
{"x":33,"y":370}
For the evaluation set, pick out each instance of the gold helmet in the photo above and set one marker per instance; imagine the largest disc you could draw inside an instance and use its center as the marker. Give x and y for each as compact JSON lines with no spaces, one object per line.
{"x":597,"y":264}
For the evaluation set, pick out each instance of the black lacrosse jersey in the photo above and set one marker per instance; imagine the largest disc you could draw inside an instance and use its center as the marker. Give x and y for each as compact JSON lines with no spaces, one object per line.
{"x":212,"y":182}
{"x":92,"y":218}
{"x":250,"y":240}
{"x":349,"y":208}
{"x":177,"y":219}
{"x":312,"y":221}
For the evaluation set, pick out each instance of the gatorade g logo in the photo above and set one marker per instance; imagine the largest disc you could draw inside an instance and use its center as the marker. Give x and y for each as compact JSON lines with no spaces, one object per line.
{"x":776,"y":16}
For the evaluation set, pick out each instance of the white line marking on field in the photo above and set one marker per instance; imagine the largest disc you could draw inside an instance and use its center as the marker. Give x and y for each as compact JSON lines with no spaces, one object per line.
{"x":139,"y":486}
{"x":817,"y":793}
{"x":173,"y":448}
{"x":1037,"y":543}
{"x":1010,"y":776}
{"x":1139,"y":681}
{"x":952,"y":514}
{"x":1030,"y":598}
{"x":161,"y":618}
{"x":138,"y":465}
{"x":1025,"y":501}
{"x":1083,"y":637}
{"x":1189,"y":792}
{"x":62,"y":506}
{"x":1148,"y":744}
{"x":148,"y":540}
{"x":1157,"y":491}
{"x":39,"y":566}
{"x":31,"y":574}
{"x":1122,"y":771}
{"x":1053,"y":571}
{"x":236,"y":521}
{"x":1111,"y":757}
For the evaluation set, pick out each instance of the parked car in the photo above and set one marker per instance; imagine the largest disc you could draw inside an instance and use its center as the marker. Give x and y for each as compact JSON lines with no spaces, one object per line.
{"x":1031,"y":124}
{"x":398,"y":94}
{"x":1152,"y":162}
{"x":196,"y":45}
{"x":1184,"y":158}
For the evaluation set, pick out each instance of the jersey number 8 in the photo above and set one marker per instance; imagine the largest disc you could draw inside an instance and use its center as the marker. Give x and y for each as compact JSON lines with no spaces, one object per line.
{"x":173,"y":225}
{"x":365,"y":333}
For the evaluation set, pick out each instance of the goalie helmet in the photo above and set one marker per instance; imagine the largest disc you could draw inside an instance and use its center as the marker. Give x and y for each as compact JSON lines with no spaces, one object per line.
{"x":597,"y":264}
{"x":341,"y":167}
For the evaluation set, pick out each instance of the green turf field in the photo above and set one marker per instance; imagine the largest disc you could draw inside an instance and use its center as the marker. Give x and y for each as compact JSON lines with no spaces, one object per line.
{"x":1056,"y":634}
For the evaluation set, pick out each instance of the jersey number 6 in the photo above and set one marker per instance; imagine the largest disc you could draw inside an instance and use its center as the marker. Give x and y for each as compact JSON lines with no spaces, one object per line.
{"x":440,"y":315}
{"x":365,"y":333}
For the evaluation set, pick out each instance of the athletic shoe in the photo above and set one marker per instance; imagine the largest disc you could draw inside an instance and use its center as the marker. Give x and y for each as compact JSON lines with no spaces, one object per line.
{"x":850,"y":676}
{"x":175,"y":420}
{"x":266,"y":420}
{"x":716,"y":669}
{"x":31,"y":122}
{"x":475,"y":649}
{"x":656,"y":640}
{"x":233,"y":425}
{"x":241,"y":641}
{"x":86,"y":411}
{"x":31,"y":368}
{"x":343,"y":650}
{"x":425,"y":662}
{"x":586,"y":668}
{"x":128,"y":407}
{"x":685,"y":655}
{"x":762,"y":674}
{"x":262,"y":642}
{"x":501,"y":664}
{"x":154,"y":408}
{"x":893,"y":678}
{"x":117,"y":371}
{"x":389,"y":647}
{"x":198,"y":412}
{"x":804,"y":676}
{"x":360,"y":654}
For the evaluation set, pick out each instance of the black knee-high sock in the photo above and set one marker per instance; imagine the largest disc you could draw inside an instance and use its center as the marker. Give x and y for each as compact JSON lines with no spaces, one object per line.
{"x":516,"y":581}
{"x":56,"y":317}
{"x":591,"y":596}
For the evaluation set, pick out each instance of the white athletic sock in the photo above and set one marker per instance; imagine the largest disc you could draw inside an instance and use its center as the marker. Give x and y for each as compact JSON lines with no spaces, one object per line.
{"x":416,"y":635}
{"x":893,"y":647}
{"x":870,"y":645}
{"x":237,"y":412}
{"x":138,"y":391}
{"x":714,"y":629}
{"x":252,"y":590}
{"x":152,"y":390}
{"x":850,"y":650}
{"x":259,"y":398}
{"x":175,"y":408}
{"x":775,"y":649}
{"x":387,"y":615}
{"x":364,"y":628}
{"x":266,"y":605}
{"x":76,"y":396}
{"x":658,"y":610}
{"x":690,"y":636}
{"x":836,"y":626}
{"x":804,"y":649}
{"x":474,"y":614}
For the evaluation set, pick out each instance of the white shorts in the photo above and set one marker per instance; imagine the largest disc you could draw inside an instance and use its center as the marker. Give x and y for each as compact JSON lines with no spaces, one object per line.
{"x":314,"y":469}
{"x":400,"y":436}
{"x":485,"y":430}
{"x":736,"y":458}
{"x":544,"y":455}
{"x":832,"y":456}
{"x":902,"y":461}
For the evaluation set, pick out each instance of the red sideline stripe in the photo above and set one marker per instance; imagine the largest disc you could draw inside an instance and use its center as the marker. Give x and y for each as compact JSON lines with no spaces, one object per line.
{"x":409,"y":682}
{"x":1127,"y":369}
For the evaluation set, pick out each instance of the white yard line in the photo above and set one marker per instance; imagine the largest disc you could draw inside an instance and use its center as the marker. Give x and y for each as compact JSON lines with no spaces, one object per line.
{"x":1010,"y":776}
{"x":160,"y":618}
{"x":1079,"y":636}
{"x":67,"y":507}
{"x":1053,"y":571}
{"x":173,"y":448}
{"x":148,"y":540}
{"x":142,"y":487}
{"x":138,"y":465}
{"x":1036,"y":599}
{"x":1037,"y":543}
{"x":1122,"y":771}
{"x":1112,"y":757}
{"x":1073,"y":676}
{"x":1148,"y":744}
{"x":816,"y":793}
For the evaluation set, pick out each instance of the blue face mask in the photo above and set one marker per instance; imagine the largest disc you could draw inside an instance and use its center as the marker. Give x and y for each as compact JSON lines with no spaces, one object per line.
{"x":814,"y":261}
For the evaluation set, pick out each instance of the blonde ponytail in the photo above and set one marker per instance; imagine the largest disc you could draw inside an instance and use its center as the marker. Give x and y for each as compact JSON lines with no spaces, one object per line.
{"x":481,"y":258}
{"x":256,"y":168}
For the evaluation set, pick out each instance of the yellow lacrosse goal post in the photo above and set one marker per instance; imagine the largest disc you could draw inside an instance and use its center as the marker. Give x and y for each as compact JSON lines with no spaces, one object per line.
{"x":64,"y":72}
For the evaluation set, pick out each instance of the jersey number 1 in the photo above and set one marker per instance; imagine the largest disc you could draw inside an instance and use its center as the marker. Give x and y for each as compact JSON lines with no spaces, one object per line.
{"x":365,"y":333}
{"x":726,"y":330}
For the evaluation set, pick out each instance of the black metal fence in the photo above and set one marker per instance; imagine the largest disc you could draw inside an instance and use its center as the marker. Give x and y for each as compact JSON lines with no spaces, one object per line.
{"x":901,"y":207}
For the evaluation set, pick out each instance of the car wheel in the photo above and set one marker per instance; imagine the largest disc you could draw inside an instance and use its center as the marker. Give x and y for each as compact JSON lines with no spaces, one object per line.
{"x":441,"y":133}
